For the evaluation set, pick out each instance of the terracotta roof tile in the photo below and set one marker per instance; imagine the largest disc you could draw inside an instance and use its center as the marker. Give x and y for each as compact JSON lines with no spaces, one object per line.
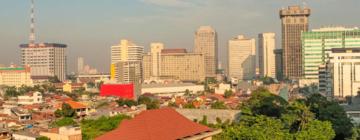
{"x":160,"y":124}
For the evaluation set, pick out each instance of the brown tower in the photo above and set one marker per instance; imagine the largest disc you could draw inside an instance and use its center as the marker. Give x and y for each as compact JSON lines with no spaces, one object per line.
{"x":294,"y":21}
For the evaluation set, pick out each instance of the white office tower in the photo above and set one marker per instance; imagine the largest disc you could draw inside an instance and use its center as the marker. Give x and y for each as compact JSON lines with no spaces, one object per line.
{"x":242,"y":58}
{"x":206,"y":43}
{"x":80,"y":65}
{"x":156,"y":58}
{"x":45,"y":59}
{"x":267,"y":55}
{"x":126,"y":61}
{"x":342,"y":73}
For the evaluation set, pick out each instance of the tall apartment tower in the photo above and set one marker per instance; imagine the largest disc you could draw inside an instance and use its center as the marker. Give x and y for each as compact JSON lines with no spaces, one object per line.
{"x":316,"y":44}
{"x":126,"y":62}
{"x":294,"y":21}
{"x":80,"y":65}
{"x":45,"y":59}
{"x":278,"y":64}
{"x":267,"y":55}
{"x":242,"y":58}
{"x":207,"y":44}
{"x":156,"y":58}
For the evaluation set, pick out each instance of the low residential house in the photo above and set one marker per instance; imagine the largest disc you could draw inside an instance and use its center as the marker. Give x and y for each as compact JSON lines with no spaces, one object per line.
{"x":70,"y":87}
{"x":222,"y":88}
{"x":21,"y":114}
{"x":165,"y":124}
{"x":63,"y":133}
{"x":5,"y":134}
{"x":24,"y":135}
{"x":30,"y":98}
{"x":81,"y":109}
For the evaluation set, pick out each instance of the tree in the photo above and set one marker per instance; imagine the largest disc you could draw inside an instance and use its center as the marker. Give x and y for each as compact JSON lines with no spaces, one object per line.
{"x":67,"y":111}
{"x":189,"y":105}
{"x":66,"y":121}
{"x":309,"y":89}
{"x":129,"y":103}
{"x":42,"y":138}
{"x":218,"y":105}
{"x":54,"y":79}
{"x":263,"y":102}
{"x":228,"y":93}
{"x":91,"y":84}
{"x":187,"y":92}
{"x":58,"y":113}
{"x":265,"y":116}
{"x":11,"y":92}
{"x":150,"y":103}
{"x":331,"y":111}
{"x":93,"y":128}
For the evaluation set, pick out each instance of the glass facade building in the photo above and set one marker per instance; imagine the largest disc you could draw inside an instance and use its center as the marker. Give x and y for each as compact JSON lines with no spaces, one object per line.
{"x":316,"y":45}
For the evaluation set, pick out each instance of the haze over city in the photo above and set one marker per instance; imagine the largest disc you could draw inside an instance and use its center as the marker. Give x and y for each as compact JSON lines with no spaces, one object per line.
{"x":90,"y":27}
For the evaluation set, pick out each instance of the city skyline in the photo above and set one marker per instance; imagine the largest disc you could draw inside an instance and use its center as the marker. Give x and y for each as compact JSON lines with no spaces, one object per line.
{"x":76,"y":26}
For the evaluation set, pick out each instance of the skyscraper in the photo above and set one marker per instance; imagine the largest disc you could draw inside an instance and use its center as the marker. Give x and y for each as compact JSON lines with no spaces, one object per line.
{"x":45,"y":59}
{"x":156,"y":58}
{"x":278,"y":63}
{"x":206,"y":43}
{"x":125,"y":58}
{"x":80,"y":65}
{"x":266,"y":55}
{"x":316,"y":44}
{"x":342,"y":73}
{"x":174,"y":64}
{"x":242,"y":58}
{"x":294,"y":21}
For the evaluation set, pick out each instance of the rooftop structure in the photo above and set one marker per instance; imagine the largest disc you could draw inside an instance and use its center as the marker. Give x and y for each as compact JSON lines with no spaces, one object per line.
{"x":165,"y":124}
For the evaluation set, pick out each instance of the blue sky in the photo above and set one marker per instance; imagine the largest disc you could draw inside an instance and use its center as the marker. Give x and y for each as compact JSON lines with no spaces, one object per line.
{"x":90,"y":27}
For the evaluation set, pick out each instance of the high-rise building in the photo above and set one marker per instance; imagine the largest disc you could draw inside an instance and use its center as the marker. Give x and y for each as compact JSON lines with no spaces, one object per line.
{"x":242,"y":58}
{"x":266,"y":55}
{"x":175,"y":64}
{"x":207,"y":44}
{"x":278,"y":63}
{"x":315,"y":44}
{"x":80,"y":65}
{"x":156,"y":58}
{"x":15,"y":76}
{"x":342,"y":73}
{"x":124,"y":57}
{"x":45,"y":59}
{"x":294,"y":21}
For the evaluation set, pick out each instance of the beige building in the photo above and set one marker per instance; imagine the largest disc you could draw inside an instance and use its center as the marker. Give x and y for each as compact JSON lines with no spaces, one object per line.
{"x":63,"y":133}
{"x":206,"y":43}
{"x":155,"y":58}
{"x":12,"y":76}
{"x":242,"y":58}
{"x":294,"y":21}
{"x":267,"y":55}
{"x":173,"y":64}
{"x":342,"y":76}
{"x":45,"y":59}
{"x":123,"y":56}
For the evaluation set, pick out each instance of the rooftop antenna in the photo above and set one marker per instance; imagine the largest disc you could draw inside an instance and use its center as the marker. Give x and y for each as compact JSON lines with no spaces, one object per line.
{"x":32,"y":25}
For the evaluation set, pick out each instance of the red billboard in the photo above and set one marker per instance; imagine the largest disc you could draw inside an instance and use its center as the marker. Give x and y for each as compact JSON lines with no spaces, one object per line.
{"x":119,"y":90}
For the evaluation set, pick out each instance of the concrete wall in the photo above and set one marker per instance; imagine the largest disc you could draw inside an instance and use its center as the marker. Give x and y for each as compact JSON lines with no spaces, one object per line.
{"x":211,"y":114}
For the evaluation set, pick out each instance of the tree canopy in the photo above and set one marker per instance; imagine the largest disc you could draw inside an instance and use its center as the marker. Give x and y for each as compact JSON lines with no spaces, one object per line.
{"x":267,"y":116}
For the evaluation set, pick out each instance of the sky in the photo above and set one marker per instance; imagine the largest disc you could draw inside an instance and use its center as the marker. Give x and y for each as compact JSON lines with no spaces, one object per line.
{"x":91,"y":27}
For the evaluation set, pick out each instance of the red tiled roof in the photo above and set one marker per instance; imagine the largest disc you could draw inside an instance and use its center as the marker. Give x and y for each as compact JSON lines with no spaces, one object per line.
{"x":160,"y":124}
{"x":75,"y":105}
